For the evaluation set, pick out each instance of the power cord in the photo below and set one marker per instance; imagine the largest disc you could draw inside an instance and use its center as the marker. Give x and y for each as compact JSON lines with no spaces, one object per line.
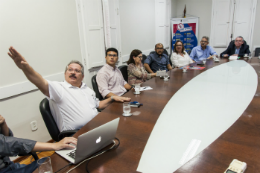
{"x":99,"y":153}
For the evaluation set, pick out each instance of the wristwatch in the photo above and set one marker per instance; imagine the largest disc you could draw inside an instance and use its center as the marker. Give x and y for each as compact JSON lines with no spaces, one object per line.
{"x":112,"y":98}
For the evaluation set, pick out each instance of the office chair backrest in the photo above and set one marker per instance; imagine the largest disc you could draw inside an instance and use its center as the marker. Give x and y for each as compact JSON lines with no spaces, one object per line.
{"x":95,"y":87}
{"x":49,"y":120}
{"x":123,"y":69}
{"x":165,"y":52}
{"x":144,"y":58}
{"x":257,"y":51}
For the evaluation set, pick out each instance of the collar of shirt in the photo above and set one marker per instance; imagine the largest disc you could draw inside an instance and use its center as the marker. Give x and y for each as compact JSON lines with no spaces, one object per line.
{"x":110,"y":67}
{"x":71,"y":86}
{"x":204,"y":49}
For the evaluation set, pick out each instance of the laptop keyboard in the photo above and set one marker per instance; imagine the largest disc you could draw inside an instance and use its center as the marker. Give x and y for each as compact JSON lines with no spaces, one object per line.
{"x":72,"y":154}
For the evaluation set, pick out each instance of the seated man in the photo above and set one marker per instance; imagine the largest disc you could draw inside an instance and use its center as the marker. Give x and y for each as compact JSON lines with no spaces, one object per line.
{"x":236,"y":48}
{"x":72,"y":103}
{"x":157,"y":60}
{"x":11,"y":146}
{"x":109,"y":78}
{"x":203,"y":51}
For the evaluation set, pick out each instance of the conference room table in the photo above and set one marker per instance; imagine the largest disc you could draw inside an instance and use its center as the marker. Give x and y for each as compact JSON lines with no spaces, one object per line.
{"x":241,"y":141}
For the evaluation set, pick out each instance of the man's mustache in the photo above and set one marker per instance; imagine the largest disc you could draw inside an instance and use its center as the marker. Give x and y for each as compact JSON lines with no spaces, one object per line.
{"x":73,"y":75}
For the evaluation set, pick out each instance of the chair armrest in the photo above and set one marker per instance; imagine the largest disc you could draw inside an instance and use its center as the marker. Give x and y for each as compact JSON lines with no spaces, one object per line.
{"x":66,"y":133}
{"x":31,"y":153}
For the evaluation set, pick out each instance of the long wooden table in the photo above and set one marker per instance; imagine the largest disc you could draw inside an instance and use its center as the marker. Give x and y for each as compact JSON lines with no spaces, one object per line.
{"x":240,"y":141}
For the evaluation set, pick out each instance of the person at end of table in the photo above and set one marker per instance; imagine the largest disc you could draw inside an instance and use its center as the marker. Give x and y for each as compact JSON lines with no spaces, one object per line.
{"x":73,"y":104}
{"x":236,"y":48}
{"x":136,"y":71}
{"x":110,"y":79}
{"x":12,"y":146}
{"x":203,"y":51}
{"x":179,"y":56}
{"x":157,"y":60}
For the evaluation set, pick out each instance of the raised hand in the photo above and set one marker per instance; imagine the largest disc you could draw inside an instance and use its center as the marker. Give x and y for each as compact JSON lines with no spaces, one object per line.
{"x":2,"y":119}
{"x":18,"y":58}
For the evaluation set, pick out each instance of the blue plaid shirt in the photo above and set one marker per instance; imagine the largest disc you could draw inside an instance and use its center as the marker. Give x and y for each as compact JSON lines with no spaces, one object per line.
{"x":157,"y":63}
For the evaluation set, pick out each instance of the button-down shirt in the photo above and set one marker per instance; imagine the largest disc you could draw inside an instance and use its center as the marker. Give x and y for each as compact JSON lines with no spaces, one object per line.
{"x":237,"y":50}
{"x":11,"y":146}
{"x":72,"y":107}
{"x":198,"y":54}
{"x":110,"y":80}
{"x":156,"y":62}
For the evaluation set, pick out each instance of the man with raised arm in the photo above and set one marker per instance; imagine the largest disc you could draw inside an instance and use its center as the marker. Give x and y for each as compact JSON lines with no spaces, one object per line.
{"x":72,"y":103}
{"x":12,"y":146}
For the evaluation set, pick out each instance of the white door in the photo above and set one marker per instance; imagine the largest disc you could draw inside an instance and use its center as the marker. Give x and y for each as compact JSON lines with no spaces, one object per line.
{"x":167,"y":31}
{"x":243,"y":19}
{"x":94,"y":36}
{"x":160,"y":19}
{"x":221,"y":23}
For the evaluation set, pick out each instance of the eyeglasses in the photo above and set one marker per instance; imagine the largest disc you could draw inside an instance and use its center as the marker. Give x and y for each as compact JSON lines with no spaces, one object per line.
{"x":238,"y":40}
{"x":140,"y":57}
{"x":160,"y":48}
{"x":76,"y":70}
{"x":112,"y":55}
{"x":178,"y":45}
{"x":204,"y":41}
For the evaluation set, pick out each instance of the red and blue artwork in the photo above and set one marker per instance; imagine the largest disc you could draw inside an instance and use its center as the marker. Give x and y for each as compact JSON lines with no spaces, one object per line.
{"x":186,"y":33}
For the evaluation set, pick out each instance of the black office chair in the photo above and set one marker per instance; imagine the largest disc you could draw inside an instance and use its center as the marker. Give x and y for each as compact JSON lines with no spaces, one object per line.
{"x":144,"y":58}
{"x":257,"y":51}
{"x":51,"y":124}
{"x":165,"y":52}
{"x":95,"y":87}
{"x":123,"y":69}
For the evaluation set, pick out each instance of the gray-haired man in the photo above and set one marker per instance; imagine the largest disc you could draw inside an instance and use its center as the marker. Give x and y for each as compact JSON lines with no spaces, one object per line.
{"x":72,"y":103}
{"x":203,"y":51}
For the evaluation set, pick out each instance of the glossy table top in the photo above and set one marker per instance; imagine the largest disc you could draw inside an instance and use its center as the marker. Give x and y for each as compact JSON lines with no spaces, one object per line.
{"x":240,"y":141}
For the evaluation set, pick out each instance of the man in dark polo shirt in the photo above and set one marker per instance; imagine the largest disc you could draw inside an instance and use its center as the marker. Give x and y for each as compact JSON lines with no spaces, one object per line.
{"x":157,"y":60}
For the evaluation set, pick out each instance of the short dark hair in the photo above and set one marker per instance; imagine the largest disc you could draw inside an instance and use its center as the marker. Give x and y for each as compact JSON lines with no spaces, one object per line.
{"x":179,"y":41}
{"x":135,"y":53}
{"x":112,"y":49}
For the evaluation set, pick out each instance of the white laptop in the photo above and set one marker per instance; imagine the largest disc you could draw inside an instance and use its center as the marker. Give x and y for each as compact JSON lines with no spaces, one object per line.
{"x":91,"y":142}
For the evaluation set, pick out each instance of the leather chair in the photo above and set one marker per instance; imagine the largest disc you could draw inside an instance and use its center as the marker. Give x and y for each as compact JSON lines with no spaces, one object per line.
{"x":144,"y":57}
{"x":51,"y":124}
{"x":123,"y":69}
{"x":95,"y":87}
{"x":257,"y":51}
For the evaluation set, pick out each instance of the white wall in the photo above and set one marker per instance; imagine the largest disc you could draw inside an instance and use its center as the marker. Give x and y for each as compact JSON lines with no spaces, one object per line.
{"x":137,"y":22}
{"x":173,"y":8}
{"x":46,"y":33}
{"x":256,"y":36}
{"x":198,"y":8}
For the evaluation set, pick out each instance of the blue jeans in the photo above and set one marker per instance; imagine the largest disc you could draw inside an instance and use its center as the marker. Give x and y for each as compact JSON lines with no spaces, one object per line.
{"x":20,"y":168}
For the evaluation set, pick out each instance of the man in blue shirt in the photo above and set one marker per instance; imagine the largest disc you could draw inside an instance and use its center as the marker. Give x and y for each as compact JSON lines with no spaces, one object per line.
{"x":203,"y":51}
{"x":157,"y":60}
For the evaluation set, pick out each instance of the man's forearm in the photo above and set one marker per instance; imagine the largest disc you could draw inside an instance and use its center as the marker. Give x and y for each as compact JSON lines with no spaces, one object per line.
{"x":36,"y":79}
{"x":110,"y":94}
{"x":41,"y":146}
{"x":147,"y":67}
{"x":104,"y":103}
{"x":169,"y":67}
{"x":127,"y":86}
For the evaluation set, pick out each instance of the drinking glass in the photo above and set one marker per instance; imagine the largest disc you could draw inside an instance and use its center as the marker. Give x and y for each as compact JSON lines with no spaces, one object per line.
{"x":204,"y":61}
{"x":137,"y":88}
{"x":249,"y":55}
{"x":126,"y":108}
{"x":45,"y":165}
{"x":246,"y":55}
{"x":259,"y":56}
{"x":165,"y":77}
{"x":184,"y":69}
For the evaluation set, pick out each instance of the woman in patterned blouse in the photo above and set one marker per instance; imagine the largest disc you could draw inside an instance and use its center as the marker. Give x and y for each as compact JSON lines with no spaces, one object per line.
{"x":136,"y":71}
